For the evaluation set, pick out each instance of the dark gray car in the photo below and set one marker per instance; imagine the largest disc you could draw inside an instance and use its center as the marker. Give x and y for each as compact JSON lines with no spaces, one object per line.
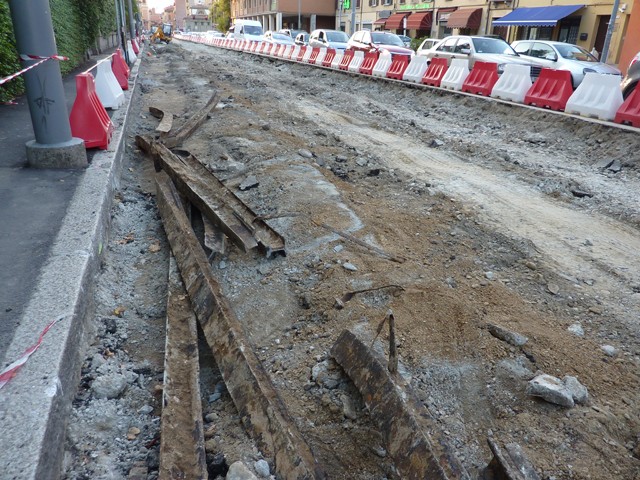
{"x":631,"y":79}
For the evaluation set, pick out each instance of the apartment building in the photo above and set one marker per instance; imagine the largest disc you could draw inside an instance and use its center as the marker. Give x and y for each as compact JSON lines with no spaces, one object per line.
{"x":276,"y":14}
{"x":196,"y":18}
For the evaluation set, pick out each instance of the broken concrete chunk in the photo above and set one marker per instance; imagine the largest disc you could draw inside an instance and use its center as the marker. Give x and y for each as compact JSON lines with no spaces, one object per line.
{"x":250,"y":182}
{"x":578,"y":391}
{"x":508,"y":336}
{"x":350,"y":266}
{"x":615,"y":167}
{"x":609,"y":350}
{"x":553,"y":288}
{"x":576,"y":329}
{"x":239,"y":471}
{"x":604,"y":163}
{"x":305,"y":153}
{"x":551,"y":389}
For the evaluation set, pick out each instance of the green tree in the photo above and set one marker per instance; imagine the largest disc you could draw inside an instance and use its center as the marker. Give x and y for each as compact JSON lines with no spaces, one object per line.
{"x":221,"y":14}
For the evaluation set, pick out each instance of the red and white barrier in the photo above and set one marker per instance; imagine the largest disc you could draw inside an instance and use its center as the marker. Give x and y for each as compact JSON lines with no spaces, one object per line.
{"x":337,"y":60}
{"x":456,"y":74}
{"x":120,"y":69}
{"x":347,"y":56}
{"x":319,"y":60}
{"x":356,"y":62}
{"x":629,"y":112}
{"x":481,"y":79}
{"x":552,"y":89}
{"x":597,"y":96}
{"x":89,"y":120}
{"x":314,"y":54}
{"x":132,"y":55}
{"x":381,"y":67}
{"x":513,"y":84}
{"x":306,"y":58}
{"x":416,"y":69}
{"x":134,"y":45}
{"x":370,"y":59}
{"x":399,"y":64}
{"x":107,"y":86}
{"x":301,"y":53}
{"x":287,"y":51}
{"x":436,"y":72}
{"x":295,"y":52}
{"x":330,"y":54}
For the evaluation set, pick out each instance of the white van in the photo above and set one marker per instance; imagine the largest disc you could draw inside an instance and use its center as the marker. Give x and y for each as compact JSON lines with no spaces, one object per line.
{"x":248,"y":30}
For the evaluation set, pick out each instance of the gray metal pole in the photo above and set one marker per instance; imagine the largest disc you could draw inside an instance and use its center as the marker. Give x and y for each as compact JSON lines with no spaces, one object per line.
{"x":299,"y":23}
{"x":117,"y":2}
{"x":45,"y":91}
{"x":132,"y":24}
{"x":607,"y":39}
{"x":353,"y":16}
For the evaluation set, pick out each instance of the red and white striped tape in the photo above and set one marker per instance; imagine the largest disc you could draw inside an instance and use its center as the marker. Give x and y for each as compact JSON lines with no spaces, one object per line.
{"x":8,"y":373}
{"x":31,"y":57}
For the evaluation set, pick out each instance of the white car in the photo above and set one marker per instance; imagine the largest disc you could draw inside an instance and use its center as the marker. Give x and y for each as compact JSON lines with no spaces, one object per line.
{"x":278,"y":38}
{"x":427,"y":44}
{"x":328,"y":39}
{"x":562,"y":56}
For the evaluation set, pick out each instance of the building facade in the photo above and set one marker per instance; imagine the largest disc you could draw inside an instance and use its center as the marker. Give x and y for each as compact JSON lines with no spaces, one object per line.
{"x":295,"y":14}
{"x":197,"y":16}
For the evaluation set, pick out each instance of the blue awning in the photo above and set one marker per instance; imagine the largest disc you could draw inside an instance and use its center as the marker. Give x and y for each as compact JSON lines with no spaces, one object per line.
{"x":536,"y":16}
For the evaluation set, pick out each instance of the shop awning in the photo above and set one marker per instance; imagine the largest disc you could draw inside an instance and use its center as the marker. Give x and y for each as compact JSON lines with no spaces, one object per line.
{"x":395,"y":21}
{"x":465,"y":18}
{"x":536,"y":16}
{"x":380,"y":21}
{"x":420,"y":21}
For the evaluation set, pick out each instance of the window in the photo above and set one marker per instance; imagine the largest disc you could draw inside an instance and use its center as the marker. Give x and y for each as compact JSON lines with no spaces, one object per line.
{"x":447,"y":45}
{"x":542,"y":50}
{"x":523,"y":48}
{"x":463,"y":44}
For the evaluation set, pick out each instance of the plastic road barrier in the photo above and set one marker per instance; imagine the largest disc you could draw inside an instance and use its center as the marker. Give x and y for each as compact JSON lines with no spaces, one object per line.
{"x":307,"y":55}
{"x":294,"y":53}
{"x":381,"y":67}
{"x":597,"y":96}
{"x":89,"y":120}
{"x":434,"y":74}
{"x":132,"y":54}
{"x":134,"y":44}
{"x":629,"y":112}
{"x":514,"y":83}
{"x":286,"y":53}
{"x":456,"y":74}
{"x":314,"y":54}
{"x":399,"y":64}
{"x":120,"y":70}
{"x":346,"y":60}
{"x":416,"y":69}
{"x":301,"y":53}
{"x":107,"y":86}
{"x":328,"y":57}
{"x":370,"y":59}
{"x":337,"y":60}
{"x":552,"y":89}
{"x":481,"y":79}
{"x":356,"y":61}
{"x":320,"y":58}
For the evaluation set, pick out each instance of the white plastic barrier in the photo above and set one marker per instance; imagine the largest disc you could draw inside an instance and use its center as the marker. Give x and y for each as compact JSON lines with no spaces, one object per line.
{"x":307,"y":55}
{"x":287,"y":51}
{"x":107,"y":86}
{"x":356,"y":61}
{"x":513,"y":84}
{"x":598,"y":95}
{"x":296,"y":52}
{"x":320,"y":57}
{"x":337,"y":60}
{"x":456,"y":74}
{"x":415,"y":70}
{"x":132,"y":54}
{"x":381,"y":67}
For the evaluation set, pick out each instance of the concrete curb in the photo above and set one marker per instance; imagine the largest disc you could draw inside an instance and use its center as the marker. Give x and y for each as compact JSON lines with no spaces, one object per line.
{"x":35,"y":405}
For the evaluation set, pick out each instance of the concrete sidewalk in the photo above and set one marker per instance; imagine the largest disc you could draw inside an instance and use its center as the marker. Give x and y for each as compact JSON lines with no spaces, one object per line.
{"x":54,"y":224}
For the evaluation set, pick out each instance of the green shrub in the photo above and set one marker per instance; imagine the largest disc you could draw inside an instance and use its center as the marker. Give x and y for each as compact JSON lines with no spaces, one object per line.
{"x":9,"y":62}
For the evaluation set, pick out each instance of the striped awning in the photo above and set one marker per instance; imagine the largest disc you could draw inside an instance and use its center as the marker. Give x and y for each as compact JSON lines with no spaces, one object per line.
{"x":465,"y":18}
{"x":395,"y":21}
{"x":420,"y":21}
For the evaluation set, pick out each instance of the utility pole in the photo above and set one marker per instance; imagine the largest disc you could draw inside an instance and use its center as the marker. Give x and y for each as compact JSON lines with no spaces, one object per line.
{"x":299,"y":23}
{"x":353,"y":16}
{"x":54,"y":146}
{"x":607,"y":39}
{"x":132,"y":25}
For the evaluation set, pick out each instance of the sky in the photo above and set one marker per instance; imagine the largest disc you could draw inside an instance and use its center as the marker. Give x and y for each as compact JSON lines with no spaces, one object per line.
{"x":159,"y":4}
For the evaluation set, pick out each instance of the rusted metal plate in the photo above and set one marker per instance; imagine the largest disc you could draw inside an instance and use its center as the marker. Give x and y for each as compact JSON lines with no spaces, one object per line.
{"x":509,"y":463}
{"x":219,"y":204}
{"x":403,"y":422}
{"x":182,"y":453}
{"x":262,"y":411}
{"x":166,"y":119}
{"x":183,"y":132}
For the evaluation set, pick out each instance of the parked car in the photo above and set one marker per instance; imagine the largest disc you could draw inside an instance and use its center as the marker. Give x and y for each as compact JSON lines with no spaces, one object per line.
{"x":405,"y":40}
{"x":293,"y":33}
{"x":427,"y":44}
{"x":631,"y":79}
{"x":302,"y":39}
{"x":214,"y":34}
{"x":367,"y":41}
{"x":562,"y":56}
{"x":277,"y":38}
{"x":484,"y":49}
{"x":328,"y":39}
{"x":248,"y":30}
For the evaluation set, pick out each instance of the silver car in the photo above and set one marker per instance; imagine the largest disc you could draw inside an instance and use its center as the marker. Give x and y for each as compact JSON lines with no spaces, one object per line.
{"x":562,"y":56}
{"x":328,"y":39}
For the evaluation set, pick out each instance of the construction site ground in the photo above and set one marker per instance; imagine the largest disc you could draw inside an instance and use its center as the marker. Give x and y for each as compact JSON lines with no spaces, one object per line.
{"x":467,"y":213}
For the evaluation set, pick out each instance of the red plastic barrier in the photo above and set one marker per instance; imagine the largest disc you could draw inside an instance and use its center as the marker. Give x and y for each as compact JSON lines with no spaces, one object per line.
{"x":346,"y":60}
{"x":303,"y":50}
{"x":434,"y":74}
{"x":551,"y":90}
{"x":370,"y":59}
{"x":314,"y":54}
{"x":629,"y":111}
{"x":481,"y":79}
{"x":89,"y":120}
{"x":134,"y":45}
{"x":120,"y":70}
{"x":328,"y":58}
{"x":399,"y":64}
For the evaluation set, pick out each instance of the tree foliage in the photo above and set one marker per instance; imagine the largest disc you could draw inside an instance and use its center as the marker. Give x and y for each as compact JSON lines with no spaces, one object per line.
{"x":221,"y":14}
{"x":9,"y":62}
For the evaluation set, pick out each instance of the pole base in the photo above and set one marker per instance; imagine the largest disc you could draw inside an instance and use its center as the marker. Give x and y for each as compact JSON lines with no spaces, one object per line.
{"x":71,"y":154}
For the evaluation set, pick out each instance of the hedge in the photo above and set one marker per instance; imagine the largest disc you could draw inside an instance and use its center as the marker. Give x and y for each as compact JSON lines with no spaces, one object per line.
{"x":77,"y":25}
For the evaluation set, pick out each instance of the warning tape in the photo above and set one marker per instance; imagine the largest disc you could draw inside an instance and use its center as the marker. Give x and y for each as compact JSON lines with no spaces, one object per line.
{"x":8,"y":373}
{"x":31,"y":57}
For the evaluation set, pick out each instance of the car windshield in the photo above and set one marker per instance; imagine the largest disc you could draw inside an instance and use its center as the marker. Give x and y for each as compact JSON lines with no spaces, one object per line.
{"x":280,"y":36}
{"x":492,"y":45}
{"x":386,"y":39}
{"x":337,"y":37}
{"x":574,"y":52}
{"x":252,"y":30}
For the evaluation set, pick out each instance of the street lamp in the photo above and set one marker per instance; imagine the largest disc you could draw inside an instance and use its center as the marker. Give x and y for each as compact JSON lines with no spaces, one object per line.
{"x":299,"y":24}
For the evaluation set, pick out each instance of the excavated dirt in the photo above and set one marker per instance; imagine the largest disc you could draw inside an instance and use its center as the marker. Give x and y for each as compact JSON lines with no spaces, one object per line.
{"x":476,"y":213}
